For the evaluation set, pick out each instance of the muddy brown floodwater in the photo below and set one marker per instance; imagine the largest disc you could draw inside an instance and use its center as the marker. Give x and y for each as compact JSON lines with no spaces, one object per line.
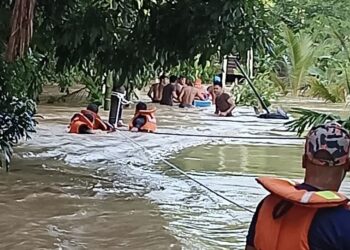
{"x":103,"y":192}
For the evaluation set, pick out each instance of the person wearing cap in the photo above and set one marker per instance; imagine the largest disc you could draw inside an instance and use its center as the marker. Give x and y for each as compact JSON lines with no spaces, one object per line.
{"x":224,"y":104}
{"x":88,"y":121}
{"x":311,"y":215}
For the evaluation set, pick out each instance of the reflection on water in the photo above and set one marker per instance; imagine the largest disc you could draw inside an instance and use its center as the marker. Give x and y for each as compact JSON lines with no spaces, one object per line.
{"x":243,"y":159}
{"x":146,"y":205}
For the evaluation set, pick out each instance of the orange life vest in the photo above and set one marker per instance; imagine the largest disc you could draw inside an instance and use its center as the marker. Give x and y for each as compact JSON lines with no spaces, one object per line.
{"x":290,"y":230}
{"x":151,"y":122}
{"x":80,"y":120}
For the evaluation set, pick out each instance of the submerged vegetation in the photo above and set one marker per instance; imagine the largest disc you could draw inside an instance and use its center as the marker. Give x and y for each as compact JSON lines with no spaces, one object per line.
{"x":300,"y":47}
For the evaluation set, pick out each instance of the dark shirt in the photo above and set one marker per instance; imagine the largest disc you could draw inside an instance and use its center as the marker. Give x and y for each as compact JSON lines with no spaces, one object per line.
{"x":139,"y":121}
{"x":222,"y":104}
{"x":167,"y":97}
{"x":329,"y":230}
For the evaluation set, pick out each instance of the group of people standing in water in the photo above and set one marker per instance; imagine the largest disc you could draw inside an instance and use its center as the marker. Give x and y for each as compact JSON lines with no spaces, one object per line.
{"x":182,"y":91}
{"x":179,"y":90}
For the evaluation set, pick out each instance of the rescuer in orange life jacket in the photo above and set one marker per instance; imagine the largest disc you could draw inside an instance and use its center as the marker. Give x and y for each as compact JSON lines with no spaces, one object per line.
{"x":311,"y":215}
{"x":88,"y":121}
{"x":144,"y":119}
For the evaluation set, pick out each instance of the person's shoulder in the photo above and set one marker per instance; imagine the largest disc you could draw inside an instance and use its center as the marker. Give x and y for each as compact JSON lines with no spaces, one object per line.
{"x":331,"y":225}
{"x":226,"y":95}
{"x":334,"y":215}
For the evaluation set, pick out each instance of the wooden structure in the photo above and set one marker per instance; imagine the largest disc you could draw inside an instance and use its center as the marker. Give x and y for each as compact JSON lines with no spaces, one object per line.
{"x":231,"y":75}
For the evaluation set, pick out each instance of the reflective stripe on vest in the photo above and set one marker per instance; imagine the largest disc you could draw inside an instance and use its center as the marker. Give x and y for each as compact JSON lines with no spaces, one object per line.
{"x":286,"y":190}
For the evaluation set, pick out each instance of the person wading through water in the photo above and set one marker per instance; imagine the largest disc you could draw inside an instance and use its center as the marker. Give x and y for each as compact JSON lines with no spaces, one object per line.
{"x":223,"y":101}
{"x":156,"y":90}
{"x":144,"y":119}
{"x":169,"y":92}
{"x":88,"y":121}
{"x":311,"y":215}
{"x":180,"y":83}
{"x":188,"y":94}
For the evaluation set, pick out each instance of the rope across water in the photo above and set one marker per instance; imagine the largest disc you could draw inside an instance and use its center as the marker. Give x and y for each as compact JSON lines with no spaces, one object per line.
{"x":173,"y":166}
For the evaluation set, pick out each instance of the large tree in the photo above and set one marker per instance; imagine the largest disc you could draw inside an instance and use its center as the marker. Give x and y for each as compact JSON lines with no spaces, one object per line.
{"x":125,"y":36}
{"x":127,"y":39}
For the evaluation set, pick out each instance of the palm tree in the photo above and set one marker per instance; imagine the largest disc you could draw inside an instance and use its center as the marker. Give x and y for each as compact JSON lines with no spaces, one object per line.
{"x":300,"y":57}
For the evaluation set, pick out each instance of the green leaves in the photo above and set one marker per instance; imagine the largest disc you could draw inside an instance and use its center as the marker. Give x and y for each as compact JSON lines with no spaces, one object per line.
{"x":132,"y":34}
{"x":308,"y":118}
{"x":193,"y":69}
{"x":301,"y":58}
{"x":332,"y":92}
{"x":16,"y":121}
{"x":244,"y":95}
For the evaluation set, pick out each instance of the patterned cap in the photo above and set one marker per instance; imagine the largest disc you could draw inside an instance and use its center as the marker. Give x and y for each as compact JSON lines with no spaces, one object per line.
{"x":330,"y":137}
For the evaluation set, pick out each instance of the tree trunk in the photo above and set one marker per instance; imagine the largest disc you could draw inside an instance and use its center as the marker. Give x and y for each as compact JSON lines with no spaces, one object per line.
{"x":21,"y":29}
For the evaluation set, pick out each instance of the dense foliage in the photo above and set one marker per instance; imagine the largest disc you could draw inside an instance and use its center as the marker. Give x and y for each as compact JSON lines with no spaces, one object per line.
{"x":16,"y":121}
{"x":300,"y":46}
{"x":130,"y":41}
{"x":310,"y":51}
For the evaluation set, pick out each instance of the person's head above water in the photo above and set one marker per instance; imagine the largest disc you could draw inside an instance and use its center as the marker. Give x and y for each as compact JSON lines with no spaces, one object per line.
{"x":162,"y":78}
{"x":326,"y":156}
{"x":92,"y":107}
{"x":182,"y":80}
{"x":141,"y":106}
{"x":198,"y":83}
{"x":173,"y":79}
{"x":217,"y":87}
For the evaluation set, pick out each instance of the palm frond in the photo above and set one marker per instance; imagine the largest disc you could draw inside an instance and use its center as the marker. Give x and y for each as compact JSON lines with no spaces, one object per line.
{"x":308,"y":118}
{"x":301,"y":56}
{"x":347,"y":79}
{"x":318,"y":89}
{"x":338,"y":91}
{"x":279,"y":83}
{"x":342,"y":42}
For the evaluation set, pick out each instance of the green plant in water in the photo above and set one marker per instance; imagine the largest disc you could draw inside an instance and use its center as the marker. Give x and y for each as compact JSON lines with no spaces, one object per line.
{"x":331,"y":92}
{"x":308,"y":118}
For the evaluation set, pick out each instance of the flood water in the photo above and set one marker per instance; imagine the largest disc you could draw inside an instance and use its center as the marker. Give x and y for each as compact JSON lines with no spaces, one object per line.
{"x":105,"y":192}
